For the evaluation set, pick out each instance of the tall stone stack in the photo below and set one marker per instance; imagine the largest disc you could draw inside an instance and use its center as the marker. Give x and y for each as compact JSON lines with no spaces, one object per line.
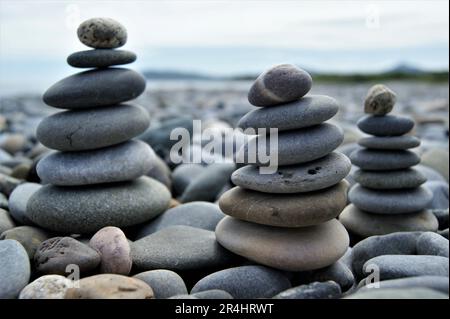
{"x":287,"y":219}
{"x":388,"y":196}
{"x":95,"y":177}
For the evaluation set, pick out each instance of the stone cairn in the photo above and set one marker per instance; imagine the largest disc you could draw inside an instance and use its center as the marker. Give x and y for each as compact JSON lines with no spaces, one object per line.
{"x":94,"y":179}
{"x":287,"y":219}
{"x":388,"y":196}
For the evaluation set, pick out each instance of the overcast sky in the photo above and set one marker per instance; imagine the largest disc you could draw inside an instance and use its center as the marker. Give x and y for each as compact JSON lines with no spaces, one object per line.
{"x":334,"y":35}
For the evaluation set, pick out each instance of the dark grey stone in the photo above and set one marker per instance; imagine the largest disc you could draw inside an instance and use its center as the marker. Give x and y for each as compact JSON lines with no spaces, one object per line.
{"x":179,"y":248}
{"x":88,"y":209}
{"x":438,"y":283}
{"x":444,"y":233}
{"x":92,"y":128}
{"x":398,"y":179}
{"x":432,"y":244}
{"x":390,"y":201}
{"x":442,"y":217}
{"x":102,"y":33}
{"x":245,"y":282}
{"x":164,"y":283}
{"x":14,"y":269}
{"x":99,"y":87}
{"x":183,"y":175}
{"x":315,"y":290}
{"x":440,"y":194}
{"x":295,"y":147}
{"x":308,"y":111}
{"x":387,"y":125}
{"x":307,"y":177}
{"x":338,"y":272}
{"x":390,"y":142}
{"x":381,"y":160}
{"x":100,"y":58}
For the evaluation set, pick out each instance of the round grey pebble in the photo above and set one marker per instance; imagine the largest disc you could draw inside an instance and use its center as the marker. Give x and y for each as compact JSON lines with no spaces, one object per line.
{"x":398,"y":179}
{"x":294,"y":147}
{"x":122,"y":162}
{"x":164,"y":283}
{"x":280,"y":84}
{"x":100,"y":58}
{"x":388,"y":125}
{"x":315,"y":290}
{"x":390,"y":142}
{"x":14,"y":269}
{"x":18,"y":201}
{"x":380,"y":100}
{"x":383,"y":160}
{"x":102,"y":33}
{"x":99,"y":87}
{"x":432,"y":244}
{"x":245,"y":282}
{"x":390,"y":201}
{"x":308,"y":111}
{"x":307,"y":177}
{"x":92,"y":128}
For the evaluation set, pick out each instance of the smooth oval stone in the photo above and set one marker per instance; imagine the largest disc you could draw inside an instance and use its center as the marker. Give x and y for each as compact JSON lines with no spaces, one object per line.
{"x":387,"y":125}
{"x":47,"y":287}
{"x":308,"y":111}
{"x":245,"y":282}
{"x":406,"y":178}
{"x":110,"y":286}
{"x":202,"y":215}
{"x":102,"y":33}
{"x":381,"y":160}
{"x":307,"y":177}
{"x":114,"y":249}
{"x":100,"y":58}
{"x":366,"y":224}
{"x":285,"y":210}
{"x":212,"y":294}
{"x":432,"y":244}
{"x":398,"y":293}
{"x":55,"y":254}
{"x":165,"y":283}
{"x":183,"y":175}
{"x":6,"y":221}
{"x":280,"y":84}
{"x":401,"y":266}
{"x":99,"y":87}
{"x":439,"y":283}
{"x":315,"y":290}
{"x":30,"y":237}
{"x":380,"y":100}
{"x":390,"y":142}
{"x":14,"y":268}
{"x":179,"y":248}
{"x":440,"y":191}
{"x":390,"y":201}
{"x":294,"y":147}
{"x":92,"y":128}
{"x":18,"y":201}
{"x":117,"y":163}
{"x":305,"y":248}
{"x":88,"y":209}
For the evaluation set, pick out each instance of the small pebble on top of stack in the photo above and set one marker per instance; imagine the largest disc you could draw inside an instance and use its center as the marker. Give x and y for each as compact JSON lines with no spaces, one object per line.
{"x":389,"y":196}
{"x":286,"y":220}
{"x":95,"y":177}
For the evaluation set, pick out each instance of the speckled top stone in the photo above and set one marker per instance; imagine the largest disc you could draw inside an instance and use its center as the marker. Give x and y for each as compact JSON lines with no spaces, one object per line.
{"x":102,"y":33}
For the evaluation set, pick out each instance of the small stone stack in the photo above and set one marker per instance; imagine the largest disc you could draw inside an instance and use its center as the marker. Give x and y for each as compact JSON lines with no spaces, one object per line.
{"x":286,"y":219}
{"x":388,"y":197}
{"x":95,"y":176}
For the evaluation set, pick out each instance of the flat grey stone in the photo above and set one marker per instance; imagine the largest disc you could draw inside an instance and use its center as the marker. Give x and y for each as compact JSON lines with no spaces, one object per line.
{"x":438,"y":283}
{"x":397,"y":179}
{"x":280,"y":84}
{"x":202,"y":215}
{"x":398,"y":293}
{"x":294,"y":147}
{"x":380,"y":100}
{"x":80,"y":210}
{"x":92,"y":128}
{"x":390,"y":201}
{"x":99,"y":87}
{"x":315,"y":290}
{"x":164,"y":283}
{"x":366,"y":224}
{"x":309,"y":111}
{"x":245,"y":282}
{"x":100,"y":58}
{"x":390,"y":142}
{"x":179,"y":248}
{"x":382,"y":160}
{"x":18,"y":201}
{"x":432,"y":244}
{"x":117,"y":163}
{"x":307,"y":177}
{"x":102,"y":33}
{"x":14,"y":269}
{"x":387,"y":125}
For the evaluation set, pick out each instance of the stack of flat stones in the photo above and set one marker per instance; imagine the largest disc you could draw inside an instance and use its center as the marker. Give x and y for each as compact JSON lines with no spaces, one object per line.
{"x":389,"y":196}
{"x":287,"y":219}
{"x":95,"y":177}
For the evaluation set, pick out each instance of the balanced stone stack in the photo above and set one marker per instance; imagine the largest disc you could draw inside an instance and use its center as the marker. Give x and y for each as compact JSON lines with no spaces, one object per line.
{"x":287,"y":219}
{"x":388,"y":196}
{"x":94,"y":179}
